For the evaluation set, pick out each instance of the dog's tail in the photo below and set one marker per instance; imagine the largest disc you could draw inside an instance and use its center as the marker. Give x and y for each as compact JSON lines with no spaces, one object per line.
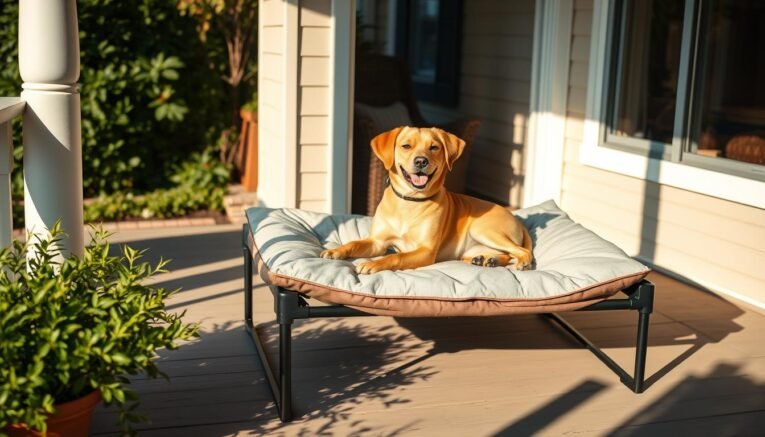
{"x":526,"y":239}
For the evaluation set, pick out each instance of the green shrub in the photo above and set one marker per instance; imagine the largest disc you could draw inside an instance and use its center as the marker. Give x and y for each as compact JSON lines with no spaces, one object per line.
{"x":150,"y":88}
{"x":68,"y":328}
{"x":199,"y":184}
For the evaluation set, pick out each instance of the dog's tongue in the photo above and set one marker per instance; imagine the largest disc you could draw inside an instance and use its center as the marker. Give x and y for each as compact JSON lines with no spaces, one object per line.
{"x":419,"y":180}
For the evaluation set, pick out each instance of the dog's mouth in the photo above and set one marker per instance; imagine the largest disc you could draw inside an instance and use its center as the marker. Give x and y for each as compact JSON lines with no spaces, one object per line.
{"x":418,"y":180}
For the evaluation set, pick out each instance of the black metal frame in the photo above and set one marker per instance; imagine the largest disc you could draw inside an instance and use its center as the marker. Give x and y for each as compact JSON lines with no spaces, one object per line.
{"x":290,"y":306}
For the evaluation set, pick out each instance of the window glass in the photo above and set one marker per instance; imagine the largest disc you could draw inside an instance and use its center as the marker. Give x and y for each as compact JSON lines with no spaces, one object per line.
{"x":425,"y":40}
{"x":730,"y":118}
{"x":647,"y":66}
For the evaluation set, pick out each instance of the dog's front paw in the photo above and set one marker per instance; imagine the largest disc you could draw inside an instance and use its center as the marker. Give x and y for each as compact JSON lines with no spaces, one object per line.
{"x":369,"y":267}
{"x":332,"y":254}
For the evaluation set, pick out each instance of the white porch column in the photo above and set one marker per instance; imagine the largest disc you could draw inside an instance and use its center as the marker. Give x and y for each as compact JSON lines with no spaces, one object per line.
{"x":49,"y":60}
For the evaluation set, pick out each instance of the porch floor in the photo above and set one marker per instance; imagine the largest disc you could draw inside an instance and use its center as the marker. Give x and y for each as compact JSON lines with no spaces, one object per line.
{"x":516,"y":375}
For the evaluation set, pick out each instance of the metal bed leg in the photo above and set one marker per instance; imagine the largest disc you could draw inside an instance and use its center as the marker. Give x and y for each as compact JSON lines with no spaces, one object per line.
{"x":644,"y":297}
{"x":286,"y":306}
{"x":281,"y":388}
{"x":640,"y":299}
{"x":285,"y":371}
{"x":640,"y":352}
{"x":247,"y":276}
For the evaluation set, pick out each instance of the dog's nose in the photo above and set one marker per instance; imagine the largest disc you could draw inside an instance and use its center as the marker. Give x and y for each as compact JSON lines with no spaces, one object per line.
{"x":420,"y":162}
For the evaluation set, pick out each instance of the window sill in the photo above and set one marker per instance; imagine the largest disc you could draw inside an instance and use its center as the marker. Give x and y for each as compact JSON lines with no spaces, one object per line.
{"x":711,"y":183}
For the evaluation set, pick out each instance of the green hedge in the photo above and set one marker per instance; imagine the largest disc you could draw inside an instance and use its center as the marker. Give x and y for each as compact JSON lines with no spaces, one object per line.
{"x":199,"y":184}
{"x":151,"y":90}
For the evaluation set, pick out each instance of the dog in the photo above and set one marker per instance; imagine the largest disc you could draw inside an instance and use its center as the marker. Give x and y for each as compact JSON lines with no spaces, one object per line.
{"x":424,"y":222}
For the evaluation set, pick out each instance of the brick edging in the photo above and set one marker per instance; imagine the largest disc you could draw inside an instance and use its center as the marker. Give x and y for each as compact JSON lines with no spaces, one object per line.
{"x":147,"y":224}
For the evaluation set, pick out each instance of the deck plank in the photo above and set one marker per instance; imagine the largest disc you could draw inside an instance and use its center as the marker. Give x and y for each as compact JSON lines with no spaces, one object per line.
{"x":515,"y":375}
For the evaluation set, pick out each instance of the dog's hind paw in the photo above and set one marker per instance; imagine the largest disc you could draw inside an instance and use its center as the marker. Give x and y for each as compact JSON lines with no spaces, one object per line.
{"x":332,"y":254}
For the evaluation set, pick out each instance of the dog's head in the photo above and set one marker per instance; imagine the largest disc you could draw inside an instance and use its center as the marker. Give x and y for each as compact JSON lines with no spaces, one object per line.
{"x":417,"y":159}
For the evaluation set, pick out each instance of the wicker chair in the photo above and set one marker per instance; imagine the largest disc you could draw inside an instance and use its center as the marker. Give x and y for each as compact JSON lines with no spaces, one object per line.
{"x":384,"y":81}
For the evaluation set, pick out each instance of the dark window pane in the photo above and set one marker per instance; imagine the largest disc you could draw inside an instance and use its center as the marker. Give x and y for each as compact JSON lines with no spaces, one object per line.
{"x":648,"y":63}
{"x":731,"y":113}
{"x":424,"y":56}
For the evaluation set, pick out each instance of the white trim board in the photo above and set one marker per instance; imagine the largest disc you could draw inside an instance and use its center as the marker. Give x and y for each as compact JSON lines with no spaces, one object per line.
{"x":291,"y":85}
{"x":277,"y":151}
{"x":341,"y":106}
{"x":711,"y":183}
{"x":591,"y":152}
{"x":549,"y":93}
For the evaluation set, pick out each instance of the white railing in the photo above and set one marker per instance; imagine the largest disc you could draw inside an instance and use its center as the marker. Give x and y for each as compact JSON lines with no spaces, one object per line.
{"x":10,"y":108}
{"x":49,"y":63}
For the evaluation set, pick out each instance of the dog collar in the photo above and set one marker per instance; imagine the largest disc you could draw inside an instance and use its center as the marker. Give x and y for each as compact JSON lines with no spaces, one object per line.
{"x":411,"y":199}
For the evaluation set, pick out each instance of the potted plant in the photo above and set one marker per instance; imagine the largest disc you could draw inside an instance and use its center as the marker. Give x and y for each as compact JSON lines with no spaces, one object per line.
{"x":72,"y":329}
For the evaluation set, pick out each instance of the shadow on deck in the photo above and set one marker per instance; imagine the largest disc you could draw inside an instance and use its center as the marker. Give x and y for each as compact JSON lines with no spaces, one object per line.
{"x":515,"y":375}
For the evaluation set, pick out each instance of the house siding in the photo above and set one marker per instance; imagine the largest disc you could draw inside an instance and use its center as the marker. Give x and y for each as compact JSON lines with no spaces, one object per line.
{"x":310,"y":114}
{"x":495,"y":87}
{"x":708,"y":240}
{"x":271,"y":95}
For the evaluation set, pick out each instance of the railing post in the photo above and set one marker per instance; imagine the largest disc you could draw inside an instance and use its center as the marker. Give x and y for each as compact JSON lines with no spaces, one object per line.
{"x":49,"y":61}
{"x":6,"y":162}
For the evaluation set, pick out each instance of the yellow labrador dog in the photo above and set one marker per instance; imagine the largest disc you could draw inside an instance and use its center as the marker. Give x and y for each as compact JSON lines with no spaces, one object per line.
{"x":422,"y":221}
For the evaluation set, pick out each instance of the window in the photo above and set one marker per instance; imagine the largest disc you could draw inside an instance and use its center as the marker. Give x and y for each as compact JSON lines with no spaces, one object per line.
{"x":428,"y":38}
{"x":686,"y":83}
{"x":424,"y":40}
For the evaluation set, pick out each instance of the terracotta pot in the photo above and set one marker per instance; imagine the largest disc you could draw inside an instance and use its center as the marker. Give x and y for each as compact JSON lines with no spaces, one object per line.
{"x":72,"y":419}
{"x":247,"y":159}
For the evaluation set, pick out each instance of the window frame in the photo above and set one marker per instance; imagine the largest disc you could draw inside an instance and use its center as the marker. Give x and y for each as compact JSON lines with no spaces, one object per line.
{"x":689,"y":91}
{"x":674,"y":165}
{"x":656,"y":149}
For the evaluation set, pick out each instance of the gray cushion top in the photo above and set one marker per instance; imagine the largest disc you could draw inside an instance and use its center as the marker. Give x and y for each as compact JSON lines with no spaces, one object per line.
{"x":568,"y":258}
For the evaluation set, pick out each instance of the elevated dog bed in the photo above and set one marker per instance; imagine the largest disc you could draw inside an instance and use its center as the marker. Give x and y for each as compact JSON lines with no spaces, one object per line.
{"x":574,"y":269}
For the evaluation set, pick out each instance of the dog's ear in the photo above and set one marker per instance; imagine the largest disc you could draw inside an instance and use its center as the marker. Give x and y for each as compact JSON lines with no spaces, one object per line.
{"x":453,"y":144}
{"x":384,"y":146}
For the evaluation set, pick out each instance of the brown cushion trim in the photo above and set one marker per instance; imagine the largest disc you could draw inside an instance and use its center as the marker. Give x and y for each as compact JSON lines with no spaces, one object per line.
{"x":423,"y":307}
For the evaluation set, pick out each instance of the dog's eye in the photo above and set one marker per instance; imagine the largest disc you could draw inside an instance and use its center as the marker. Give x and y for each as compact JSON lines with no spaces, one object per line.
{"x":433,"y":148}
{"x":406,"y":146}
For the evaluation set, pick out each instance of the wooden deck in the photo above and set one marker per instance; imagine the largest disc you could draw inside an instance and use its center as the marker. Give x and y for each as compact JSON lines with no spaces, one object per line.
{"x":517,"y":375}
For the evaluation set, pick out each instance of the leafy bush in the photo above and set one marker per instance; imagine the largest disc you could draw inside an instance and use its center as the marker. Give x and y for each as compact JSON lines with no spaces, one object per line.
{"x":236,"y":21}
{"x":150,"y":88}
{"x":200,"y":184}
{"x":71,"y":327}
